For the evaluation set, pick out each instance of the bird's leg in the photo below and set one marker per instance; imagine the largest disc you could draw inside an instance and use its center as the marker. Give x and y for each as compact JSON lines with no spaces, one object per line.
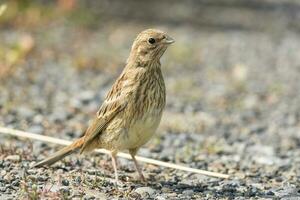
{"x":132,"y":153}
{"x":114,"y":163}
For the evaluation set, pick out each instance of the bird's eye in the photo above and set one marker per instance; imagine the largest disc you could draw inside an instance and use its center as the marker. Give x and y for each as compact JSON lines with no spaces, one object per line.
{"x":151,"y":40}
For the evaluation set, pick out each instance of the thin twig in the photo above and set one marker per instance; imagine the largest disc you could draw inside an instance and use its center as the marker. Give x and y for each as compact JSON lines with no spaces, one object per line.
{"x":48,"y":139}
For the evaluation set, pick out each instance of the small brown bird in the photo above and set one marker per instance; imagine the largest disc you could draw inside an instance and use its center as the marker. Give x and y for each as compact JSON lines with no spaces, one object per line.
{"x":133,"y":107}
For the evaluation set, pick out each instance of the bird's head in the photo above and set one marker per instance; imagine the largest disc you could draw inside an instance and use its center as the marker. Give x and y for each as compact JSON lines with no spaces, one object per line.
{"x":150,"y":45}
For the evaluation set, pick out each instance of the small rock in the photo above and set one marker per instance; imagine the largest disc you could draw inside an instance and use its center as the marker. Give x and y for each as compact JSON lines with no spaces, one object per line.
{"x":287,"y":190}
{"x":15,"y":183}
{"x":78,"y":179}
{"x":240,"y":73}
{"x":2,"y":173}
{"x":166,"y":190}
{"x":279,"y":179}
{"x":89,"y":197}
{"x":32,"y":177}
{"x":188,"y":192}
{"x":2,"y":189}
{"x":173,"y":194}
{"x":59,"y":116}
{"x":13,"y":158}
{"x":54,"y":188}
{"x":143,"y":191}
{"x":65,"y":190}
{"x":160,"y":198}
{"x":38,"y":119}
{"x":75,"y":103}
{"x":25,"y":112}
{"x":36,"y":129}
{"x":6,"y":164}
{"x":65,"y":182}
{"x":32,"y":171}
{"x":41,"y":178}
{"x":86,"y":96}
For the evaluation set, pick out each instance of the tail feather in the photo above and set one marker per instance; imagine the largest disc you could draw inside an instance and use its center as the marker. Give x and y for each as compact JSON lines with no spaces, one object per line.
{"x":61,"y":153}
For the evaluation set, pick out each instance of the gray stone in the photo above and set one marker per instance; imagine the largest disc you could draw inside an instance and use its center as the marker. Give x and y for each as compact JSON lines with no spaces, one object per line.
{"x":38,"y":119}
{"x":3,"y":173}
{"x":36,"y":129}
{"x":65,"y":190}
{"x":86,"y":96}
{"x":188,"y":192}
{"x":75,"y":103}
{"x":160,"y":198}
{"x":2,"y":189}
{"x":25,"y":112}
{"x":143,"y":191}
{"x":65,"y":182}
{"x":13,"y":158}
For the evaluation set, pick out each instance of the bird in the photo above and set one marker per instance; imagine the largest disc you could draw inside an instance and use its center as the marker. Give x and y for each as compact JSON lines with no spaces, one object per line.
{"x":133,"y":107}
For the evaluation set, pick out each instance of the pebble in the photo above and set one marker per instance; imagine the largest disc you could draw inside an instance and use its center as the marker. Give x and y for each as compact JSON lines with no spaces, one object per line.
{"x":78,"y":179}
{"x":86,"y":96}
{"x":89,"y":197}
{"x":38,"y":119}
{"x":143,"y":191}
{"x":59,"y":116}
{"x":65,"y":190}
{"x":173,"y":194}
{"x":65,"y":182}
{"x":15,"y":183}
{"x":32,"y":177}
{"x":188,"y":192}
{"x":31,"y":171}
{"x":2,"y":173}
{"x":75,"y":103}
{"x":160,"y":198}
{"x":42,"y":178}
{"x":25,"y":112}
{"x":13,"y":158}
{"x":37,"y":129}
{"x":2,"y":189}
{"x":54,"y":188}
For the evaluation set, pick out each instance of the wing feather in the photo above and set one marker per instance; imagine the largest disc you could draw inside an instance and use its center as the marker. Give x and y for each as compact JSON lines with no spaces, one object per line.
{"x":100,"y":122}
{"x":115,"y":102}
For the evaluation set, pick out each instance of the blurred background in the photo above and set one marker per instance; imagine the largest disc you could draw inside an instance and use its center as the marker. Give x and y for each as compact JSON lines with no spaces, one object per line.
{"x":232,"y":78}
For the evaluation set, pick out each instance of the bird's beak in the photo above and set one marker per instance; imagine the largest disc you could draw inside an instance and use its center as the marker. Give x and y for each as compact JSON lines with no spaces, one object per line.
{"x":168,"y":40}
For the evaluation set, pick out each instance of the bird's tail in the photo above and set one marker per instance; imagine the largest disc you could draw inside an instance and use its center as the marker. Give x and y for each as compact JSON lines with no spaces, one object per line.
{"x":61,"y":153}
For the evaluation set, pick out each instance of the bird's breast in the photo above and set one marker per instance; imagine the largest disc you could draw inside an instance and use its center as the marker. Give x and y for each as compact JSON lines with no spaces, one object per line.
{"x":146,"y":110}
{"x":142,"y":130}
{"x":142,"y":115}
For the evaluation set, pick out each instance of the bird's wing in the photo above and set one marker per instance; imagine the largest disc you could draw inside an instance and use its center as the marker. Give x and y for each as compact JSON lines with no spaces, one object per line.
{"x":115,"y":102}
{"x":108,"y":111}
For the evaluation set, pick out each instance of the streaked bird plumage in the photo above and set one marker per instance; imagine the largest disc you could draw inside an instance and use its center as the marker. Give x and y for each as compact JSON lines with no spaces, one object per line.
{"x":133,"y":107}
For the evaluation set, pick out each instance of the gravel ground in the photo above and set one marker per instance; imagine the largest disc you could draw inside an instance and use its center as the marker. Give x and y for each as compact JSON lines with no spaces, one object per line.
{"x":233,"y":106}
